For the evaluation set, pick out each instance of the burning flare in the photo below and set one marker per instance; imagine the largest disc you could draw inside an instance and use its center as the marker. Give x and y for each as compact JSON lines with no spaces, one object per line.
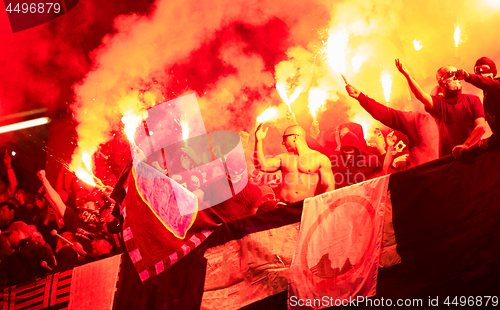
{"x":417,"y":45}
{"x":317,"y":99}
{"x":185,"y":131}
{"x":386,"y":80}
{"x":281,"y":87}
{"x":457,"y":36}
{"x":336,"y":46}
{"x":131,"y":122}
{"x":86,"y":174}
{"x":270,"y":114}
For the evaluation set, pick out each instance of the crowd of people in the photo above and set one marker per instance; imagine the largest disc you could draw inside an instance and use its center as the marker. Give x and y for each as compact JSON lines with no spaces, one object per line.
{"x":70,"y":223}
{"x":53,"y":229}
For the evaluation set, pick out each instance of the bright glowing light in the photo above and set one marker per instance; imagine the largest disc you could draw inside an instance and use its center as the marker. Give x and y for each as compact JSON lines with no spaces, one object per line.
{"x":493,"y":3}
{"x":13,"y":153}
{"x":317,"y":99}
{"x":365,"y":120}
{"x":185,"y":131}
{"x":87,"y":160}
{"x":281,"y":87}
{"x":386,"y":80}
{"x":336,"y":46}
{"x":357,"y":61}
{"x":26,"y":124}
{"x":270,"y":114}
{"x":295,"y":94}
{"x":85,"y":176}
{"x":417,"y":45}
{"x":131,"y":122}
{"x":457,"y":36}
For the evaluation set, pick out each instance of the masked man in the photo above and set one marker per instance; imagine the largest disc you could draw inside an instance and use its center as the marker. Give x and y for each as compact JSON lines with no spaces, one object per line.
{"x":485,"y":78}
{"x":459,"y":117}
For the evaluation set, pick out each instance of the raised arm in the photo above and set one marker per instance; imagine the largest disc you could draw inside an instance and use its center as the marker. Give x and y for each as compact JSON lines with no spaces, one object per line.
{"x":11,"y":175}
{"x":52,"y":195}
{"x":390,"y":117}
{"x":423,"y":97}
{"x":326,"y":174}
{"x":260,"y":161}
{"x":482,"y":82}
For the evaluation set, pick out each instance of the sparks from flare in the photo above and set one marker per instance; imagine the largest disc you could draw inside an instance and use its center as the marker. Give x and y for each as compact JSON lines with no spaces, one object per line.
{"x":417,"y":45}
{"x":386,"y":80}
{"x":270,"y":114}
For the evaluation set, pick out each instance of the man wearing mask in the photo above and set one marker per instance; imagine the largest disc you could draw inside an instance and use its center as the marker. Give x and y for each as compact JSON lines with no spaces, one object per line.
{"x":459,"y":117}
{"x":485,"y":78}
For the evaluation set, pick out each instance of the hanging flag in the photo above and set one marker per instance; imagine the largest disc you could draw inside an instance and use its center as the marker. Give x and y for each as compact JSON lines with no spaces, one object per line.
{"x":338,"y":250}
{"x":162,"y":222}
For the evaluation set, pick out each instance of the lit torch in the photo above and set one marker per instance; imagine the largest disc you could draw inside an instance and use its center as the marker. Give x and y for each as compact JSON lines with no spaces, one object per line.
{"x":185,"y":132}
{"x":317,"y":99}
{"x":386,"y":80}
{"x":417,"y":45}
{"x":457,"y":36}
{"x":281,"y":87}
{"x":132,"y":122}
{"x":270,"y":114}
{"x":336,"y":46}
{"x":86,"y":174}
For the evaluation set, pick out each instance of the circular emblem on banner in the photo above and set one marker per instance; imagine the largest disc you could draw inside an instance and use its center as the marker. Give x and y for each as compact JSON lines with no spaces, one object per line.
{"x":341,"y":259}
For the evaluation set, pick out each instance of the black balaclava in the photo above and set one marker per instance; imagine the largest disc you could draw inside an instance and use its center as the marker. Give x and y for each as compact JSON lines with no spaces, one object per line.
{"x":489,"y":62}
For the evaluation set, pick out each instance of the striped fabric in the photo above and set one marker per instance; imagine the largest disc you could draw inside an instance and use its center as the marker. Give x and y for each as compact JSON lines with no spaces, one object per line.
{"x":51,"y":291}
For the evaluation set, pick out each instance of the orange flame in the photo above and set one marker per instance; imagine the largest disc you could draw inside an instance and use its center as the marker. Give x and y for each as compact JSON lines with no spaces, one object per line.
{"x":386,"y":80}
{"x":336,"y":46}
{"x":457,"y":36}
{"x":270,"y":114}
{"x":281,"y":87}
{"x":86,"y":174}
{"x":185,"y":130}
{"x":131,"y":122}
{"x":317,"y":99}
{"x":417,"y":45}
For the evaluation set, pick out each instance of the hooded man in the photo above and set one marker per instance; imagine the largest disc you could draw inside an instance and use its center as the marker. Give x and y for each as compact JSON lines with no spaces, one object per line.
{"x":485,"y":78}
{"x":459,"y":117}
{"x":419,"y":127}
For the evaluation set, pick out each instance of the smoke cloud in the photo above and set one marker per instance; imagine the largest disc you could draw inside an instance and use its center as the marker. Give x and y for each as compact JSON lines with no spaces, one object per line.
{"x":232,"y":54}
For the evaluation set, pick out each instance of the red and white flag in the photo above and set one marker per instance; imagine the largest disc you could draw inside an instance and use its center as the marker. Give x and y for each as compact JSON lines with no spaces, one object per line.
{"x":340,"y":241}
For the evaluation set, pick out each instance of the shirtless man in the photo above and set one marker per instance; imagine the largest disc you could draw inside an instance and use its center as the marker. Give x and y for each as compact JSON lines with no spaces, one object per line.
{"x":304,"y":170}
